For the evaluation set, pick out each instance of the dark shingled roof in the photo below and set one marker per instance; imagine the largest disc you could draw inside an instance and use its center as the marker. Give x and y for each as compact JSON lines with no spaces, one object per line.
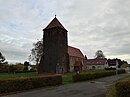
{"x":54,"y":23}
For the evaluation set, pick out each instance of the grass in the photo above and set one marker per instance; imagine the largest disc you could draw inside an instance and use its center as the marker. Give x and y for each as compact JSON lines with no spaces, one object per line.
{"x":92,"y":71}
{"x":67,"y":78}
{"x":17,"y":75}
{"x":111,"y":92}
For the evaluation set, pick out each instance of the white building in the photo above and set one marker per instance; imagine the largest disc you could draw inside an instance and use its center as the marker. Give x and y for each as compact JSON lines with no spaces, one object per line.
{"x":96,"y":63}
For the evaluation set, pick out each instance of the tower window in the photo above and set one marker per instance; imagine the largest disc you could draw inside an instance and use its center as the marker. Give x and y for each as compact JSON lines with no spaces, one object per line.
{"x":49,"y":33}
{"x":63,"y":33}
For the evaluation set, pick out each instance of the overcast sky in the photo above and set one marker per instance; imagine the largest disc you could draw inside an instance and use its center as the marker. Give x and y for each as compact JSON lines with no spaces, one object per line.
{"x":92,"y":25}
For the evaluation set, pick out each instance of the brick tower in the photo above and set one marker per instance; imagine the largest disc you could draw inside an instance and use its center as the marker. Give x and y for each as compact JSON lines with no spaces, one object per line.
{"x":55,"y":57}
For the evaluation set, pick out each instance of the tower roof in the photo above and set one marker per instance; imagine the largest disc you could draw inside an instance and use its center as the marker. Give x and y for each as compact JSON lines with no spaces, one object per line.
{"x":54,"y":23}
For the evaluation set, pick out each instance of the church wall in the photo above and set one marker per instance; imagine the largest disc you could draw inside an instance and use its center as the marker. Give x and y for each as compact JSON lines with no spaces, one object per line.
{"x":54,"y":51}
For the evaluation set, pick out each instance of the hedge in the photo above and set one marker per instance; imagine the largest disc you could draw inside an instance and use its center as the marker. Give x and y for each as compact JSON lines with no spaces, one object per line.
{"x":123,"y":88}
{"x":22,"y":71}
{"x":18,"y":84}
{"x":90,"y":76}
{"x":25,"y":71}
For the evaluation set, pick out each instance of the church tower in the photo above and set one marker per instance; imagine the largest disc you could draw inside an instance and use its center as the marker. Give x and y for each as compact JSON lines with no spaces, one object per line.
{"x":55,"y":48}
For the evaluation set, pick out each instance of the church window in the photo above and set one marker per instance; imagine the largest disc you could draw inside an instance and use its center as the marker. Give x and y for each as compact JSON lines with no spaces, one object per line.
{"x":49,"y":33}
{"x":63,"y":34}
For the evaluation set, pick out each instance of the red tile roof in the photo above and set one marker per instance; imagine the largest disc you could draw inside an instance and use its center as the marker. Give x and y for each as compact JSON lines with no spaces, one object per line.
{"x":75,"y":52}
{"x":54,"y":23}
{"x":95,"y":61}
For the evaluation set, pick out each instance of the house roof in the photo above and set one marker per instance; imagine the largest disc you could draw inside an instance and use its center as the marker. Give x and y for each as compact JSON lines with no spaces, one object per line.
{"x":75,"y":52}
{"x":54,"y":23}
{"x":125,"y":65}
{"x":95,"y":61}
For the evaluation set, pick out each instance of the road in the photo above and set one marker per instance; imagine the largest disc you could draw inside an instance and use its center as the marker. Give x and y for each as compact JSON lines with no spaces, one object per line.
{"x":94,"y":88}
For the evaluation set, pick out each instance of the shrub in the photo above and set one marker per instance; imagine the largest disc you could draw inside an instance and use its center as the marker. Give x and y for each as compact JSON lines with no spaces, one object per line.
{"x":17,"y":84}
{"x":90,"y":76}
{"x":123,"y":88}
{"x":25,"y":71}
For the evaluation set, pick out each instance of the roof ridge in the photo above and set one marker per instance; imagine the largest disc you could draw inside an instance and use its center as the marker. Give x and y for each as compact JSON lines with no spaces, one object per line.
{"x":54,"y":23}
{"x":74,"y":47}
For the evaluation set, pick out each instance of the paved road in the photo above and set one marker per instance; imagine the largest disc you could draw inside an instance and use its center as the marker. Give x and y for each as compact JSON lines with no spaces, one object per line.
{"x":95,"y":88}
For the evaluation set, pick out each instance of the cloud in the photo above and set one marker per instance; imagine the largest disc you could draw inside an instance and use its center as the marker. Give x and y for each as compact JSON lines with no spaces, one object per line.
{"x":91,"y":25}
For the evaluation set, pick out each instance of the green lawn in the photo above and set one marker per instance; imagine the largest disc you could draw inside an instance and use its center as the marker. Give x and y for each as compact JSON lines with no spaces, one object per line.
{"x":17,"y":75}
{"x":67,"y":78}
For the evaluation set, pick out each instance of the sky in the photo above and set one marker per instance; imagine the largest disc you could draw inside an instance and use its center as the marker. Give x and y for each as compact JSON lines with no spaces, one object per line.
{"x":92,"y":25}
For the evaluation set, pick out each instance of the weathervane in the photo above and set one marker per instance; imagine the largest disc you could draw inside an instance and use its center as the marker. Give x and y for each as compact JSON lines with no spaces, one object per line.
{"x":55,"y":15}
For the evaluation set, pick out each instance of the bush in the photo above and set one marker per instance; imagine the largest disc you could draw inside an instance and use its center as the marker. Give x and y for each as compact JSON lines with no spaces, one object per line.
{"x":25,"y":71}
{"x":123,"y":88}
{"x":12,"y":85}
{"x":90,"y":76}
{"x":3,"y":68}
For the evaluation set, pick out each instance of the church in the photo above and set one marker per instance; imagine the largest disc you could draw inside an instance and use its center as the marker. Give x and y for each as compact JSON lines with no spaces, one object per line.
{"x":58,"y":57}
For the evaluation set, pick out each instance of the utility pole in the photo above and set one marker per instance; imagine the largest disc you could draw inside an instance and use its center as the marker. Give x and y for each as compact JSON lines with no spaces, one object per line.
{"x":117,"y":64}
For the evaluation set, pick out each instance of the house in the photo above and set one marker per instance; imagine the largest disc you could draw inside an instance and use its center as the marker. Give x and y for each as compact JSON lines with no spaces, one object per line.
{"x":96,"y":64}
{"x":113,"y":64}
{"x":126,"y":67}
{"x":76,"y":59}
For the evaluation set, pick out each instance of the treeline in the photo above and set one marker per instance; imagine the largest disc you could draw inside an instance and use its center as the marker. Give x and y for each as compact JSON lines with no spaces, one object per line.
{"x":14,"y":68}
{"x":5,"y":67}
{"x":120,"y":62}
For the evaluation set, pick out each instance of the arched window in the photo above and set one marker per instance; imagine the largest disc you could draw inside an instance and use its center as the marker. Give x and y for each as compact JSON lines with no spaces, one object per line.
{"x":49,"y":33}
{"x":93,"y":67}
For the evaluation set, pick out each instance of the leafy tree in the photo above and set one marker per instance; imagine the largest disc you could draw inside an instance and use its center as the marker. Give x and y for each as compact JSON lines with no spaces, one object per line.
{"x":120,"y":62}
{"x":2,"y":58}
{"x":36,"y":52}
{"x":26,"y":64}
{"x":99,"y":55}
{"x":19,"y":66}
{"x":12,"y":68}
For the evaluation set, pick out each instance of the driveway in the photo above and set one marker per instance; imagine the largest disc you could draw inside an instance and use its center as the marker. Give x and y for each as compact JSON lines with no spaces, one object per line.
{"x":94,"y":88}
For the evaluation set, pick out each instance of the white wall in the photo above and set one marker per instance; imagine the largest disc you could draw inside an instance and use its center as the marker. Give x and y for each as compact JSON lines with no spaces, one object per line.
{"x":72,"y":60}
{"x":96,"y":66}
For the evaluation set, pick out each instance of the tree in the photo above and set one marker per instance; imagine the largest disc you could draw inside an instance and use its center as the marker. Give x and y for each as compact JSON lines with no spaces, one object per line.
{"x":2,"y":58}
{"x":120,"y":62}
{"x":99,"y":55}
{"x":36,"y":52}
{"x":26,"y":64}
{"x":19,"y":66}
{"x":85,"y":57}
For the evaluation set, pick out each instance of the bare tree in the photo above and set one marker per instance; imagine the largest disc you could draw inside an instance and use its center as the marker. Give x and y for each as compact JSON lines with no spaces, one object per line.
{"x":36,"y":52}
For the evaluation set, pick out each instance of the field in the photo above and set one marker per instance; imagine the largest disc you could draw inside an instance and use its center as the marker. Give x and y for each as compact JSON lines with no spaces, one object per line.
{"x":17,"y":75}
{"x":67,"y":78}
